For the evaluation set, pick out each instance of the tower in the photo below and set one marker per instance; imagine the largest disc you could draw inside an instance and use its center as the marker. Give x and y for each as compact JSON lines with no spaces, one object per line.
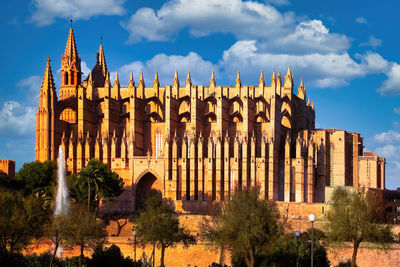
{"x":70,"y":68}
{"x":45,"y":118}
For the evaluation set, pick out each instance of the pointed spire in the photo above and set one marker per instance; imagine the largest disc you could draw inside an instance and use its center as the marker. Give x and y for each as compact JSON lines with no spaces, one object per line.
{"x":273,"y":79}
{"x":261,"y":82}
{"x":288,"y":83}
{"x":279,"y":79}
{"x":188,"y":79}
{"x":312,"y":104}
{"x":212,"y":80}
{"x":301,"y":91}
{"x":90,"y":81}
{"x":289,"y":72}
{"x":116,"y":80}
{"x":101,"y":59}
{"x":176,"y":80}
{"x":141,"y":80}
{"x":48,"y":85}
{"x":238,"y":81}
{"x":70,"y":49}
{"x":107,"y":82}
{"x":156,"y":82}
{"x":131,"y":81}
{"x":308,"y":101}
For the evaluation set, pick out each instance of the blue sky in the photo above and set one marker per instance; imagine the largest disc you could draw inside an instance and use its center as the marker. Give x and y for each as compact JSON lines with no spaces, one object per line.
{"x":346,"y":51}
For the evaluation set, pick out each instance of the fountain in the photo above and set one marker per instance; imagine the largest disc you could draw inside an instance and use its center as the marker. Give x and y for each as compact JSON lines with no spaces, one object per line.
{"x":62,"y":191}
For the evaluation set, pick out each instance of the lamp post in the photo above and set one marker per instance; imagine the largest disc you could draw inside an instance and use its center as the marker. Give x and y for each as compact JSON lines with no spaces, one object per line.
{"x":297,"y":234}
{"x":134,"y":242}
{"x":312,"y":219}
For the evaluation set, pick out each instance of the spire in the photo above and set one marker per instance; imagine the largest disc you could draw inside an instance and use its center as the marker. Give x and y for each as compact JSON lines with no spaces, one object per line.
{"x":301,"y":91}
{"x":312,"y":104}
{"x":48,"y":80}
{"x":176,"y":80}
{"x":261,"y":82}
{"x":70,"y":49}
{"x":101,"y":59}
{"x":156,"y":82}
{"x":308,"y":101}
{"x":131,"y":81}
{"x":188,"y":79}
{"x":116,"y":80}
{"x":90,"y":78}
{"x":279,"y":79}
{"x":107,"y":82}
{"x":273,"y":79}
{"x":212,"y":80}
{"x":238,"y":81}
{"x":288,"y":83}
{"x":141,"y":80}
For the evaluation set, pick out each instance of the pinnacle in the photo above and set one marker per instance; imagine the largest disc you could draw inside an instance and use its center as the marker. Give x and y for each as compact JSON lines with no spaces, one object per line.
{"x":188,"y":79}
{"x":101,"y":59}
{"x":212,"y":80}
{"x":301,"y":82}
{"x":70,"y":50}
{"x":176,"y":79}
{"x":48,"y":80}
{"x":156,"y":82}
{"x":116,"y":80}
{"x":131,"y":81}
{"x":261,"y":81}
{"x":238,"y":81}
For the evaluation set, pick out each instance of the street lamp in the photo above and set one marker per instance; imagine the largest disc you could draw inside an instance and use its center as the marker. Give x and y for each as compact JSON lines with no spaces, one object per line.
{"x":312,"y":219}
{"x":134,"y":242}
{"x":297,"y":234}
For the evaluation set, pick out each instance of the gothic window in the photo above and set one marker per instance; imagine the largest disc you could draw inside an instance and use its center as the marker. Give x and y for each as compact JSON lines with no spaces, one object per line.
{"x":188,"y":148}
{"x":158,"y":142}
{"x":232,"y":184}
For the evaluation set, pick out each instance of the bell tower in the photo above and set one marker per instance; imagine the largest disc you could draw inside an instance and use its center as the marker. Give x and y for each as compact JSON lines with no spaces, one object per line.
{"x":71,"y":74}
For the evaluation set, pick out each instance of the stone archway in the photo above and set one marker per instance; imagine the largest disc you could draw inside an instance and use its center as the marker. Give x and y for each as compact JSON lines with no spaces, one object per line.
{"x":147,"y":186}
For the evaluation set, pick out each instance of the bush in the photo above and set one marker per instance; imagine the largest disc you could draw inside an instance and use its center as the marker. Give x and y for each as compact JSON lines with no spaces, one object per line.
{"x":111,"y":256}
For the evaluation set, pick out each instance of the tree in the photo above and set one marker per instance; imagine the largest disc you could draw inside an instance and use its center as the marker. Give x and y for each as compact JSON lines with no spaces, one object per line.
{"x":247,"y":225}
{"x":55,"y":231}
{"x":38,"y":179}
{"x":95,"y":182}
{"x":157,"y":226}
{"x":83,"y":229}
{"x":352,"y":218}
{"x":21,"y":220}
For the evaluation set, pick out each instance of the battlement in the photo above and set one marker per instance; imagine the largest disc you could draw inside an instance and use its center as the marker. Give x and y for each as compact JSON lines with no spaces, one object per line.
{"x":8,"y":167}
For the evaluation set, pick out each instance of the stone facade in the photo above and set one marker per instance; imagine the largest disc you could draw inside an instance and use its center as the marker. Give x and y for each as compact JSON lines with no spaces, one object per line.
{"x":196,"y":144}
{"x":8,"y":166}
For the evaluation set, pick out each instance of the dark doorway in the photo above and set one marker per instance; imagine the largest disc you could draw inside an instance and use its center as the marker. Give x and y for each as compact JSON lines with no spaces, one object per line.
{"x":147,"y":186}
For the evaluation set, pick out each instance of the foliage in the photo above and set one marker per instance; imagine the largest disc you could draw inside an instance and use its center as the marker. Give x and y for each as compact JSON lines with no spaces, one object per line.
{"x":110,"y":256}
{"x":7,"y":183}
{"x":94,"y":182}
{"x":353,"y":218}
{"x":83,"y":229}
{"x":55,"y":231}
{"x":38,"y":179}
{"x":247,"y":225}
{"x":157,"y":226}
{"x":21,"y":220}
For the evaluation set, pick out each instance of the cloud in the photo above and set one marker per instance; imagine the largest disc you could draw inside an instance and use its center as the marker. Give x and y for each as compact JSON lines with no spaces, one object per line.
{"x":319,"y":70}
{"x":361,"y":20}
{"x":372,"y":42}
{"x":396,"y":110}
{"x":166,"y":65}
{"x":85,"y":69}
{"x":391,"y":86}
{"x":31,"y":87}
{"x":46,"y":11}
{"x":203,"y":17}
{"x":17,"y":119}
{"x":389,"y":137}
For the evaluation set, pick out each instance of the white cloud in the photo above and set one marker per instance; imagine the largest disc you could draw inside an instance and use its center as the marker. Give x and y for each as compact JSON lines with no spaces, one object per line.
{"x":17,"y":119}
{"x":46,"y":11}
{"x":166,"y":65}
{"x":85,"y":69}
{"x":361,"y":20}
{"x":319,"y":70}
{"x":389,"y":137}
{"x":32,"y":85}
{"x":203,"y":17}
{"x":372,"y":42}
{"x":396,"y":110}
{"x":391,"y":86}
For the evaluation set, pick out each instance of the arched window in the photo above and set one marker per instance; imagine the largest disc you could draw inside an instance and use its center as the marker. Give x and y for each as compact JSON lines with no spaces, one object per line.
{"x":158,"y":143}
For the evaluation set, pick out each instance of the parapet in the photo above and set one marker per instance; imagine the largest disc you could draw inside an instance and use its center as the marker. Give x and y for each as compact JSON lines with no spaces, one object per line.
{"x":8,"y":167}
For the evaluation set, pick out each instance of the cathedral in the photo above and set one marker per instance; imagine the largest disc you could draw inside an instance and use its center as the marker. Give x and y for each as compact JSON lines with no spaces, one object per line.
{"x":196,"y":144}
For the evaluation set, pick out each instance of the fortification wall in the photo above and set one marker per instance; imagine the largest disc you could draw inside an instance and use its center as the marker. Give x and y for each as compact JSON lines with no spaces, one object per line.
{"x":8,"y":166}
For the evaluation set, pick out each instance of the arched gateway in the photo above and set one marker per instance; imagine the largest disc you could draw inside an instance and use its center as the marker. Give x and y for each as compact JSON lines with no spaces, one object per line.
{"x":147,"y":186}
